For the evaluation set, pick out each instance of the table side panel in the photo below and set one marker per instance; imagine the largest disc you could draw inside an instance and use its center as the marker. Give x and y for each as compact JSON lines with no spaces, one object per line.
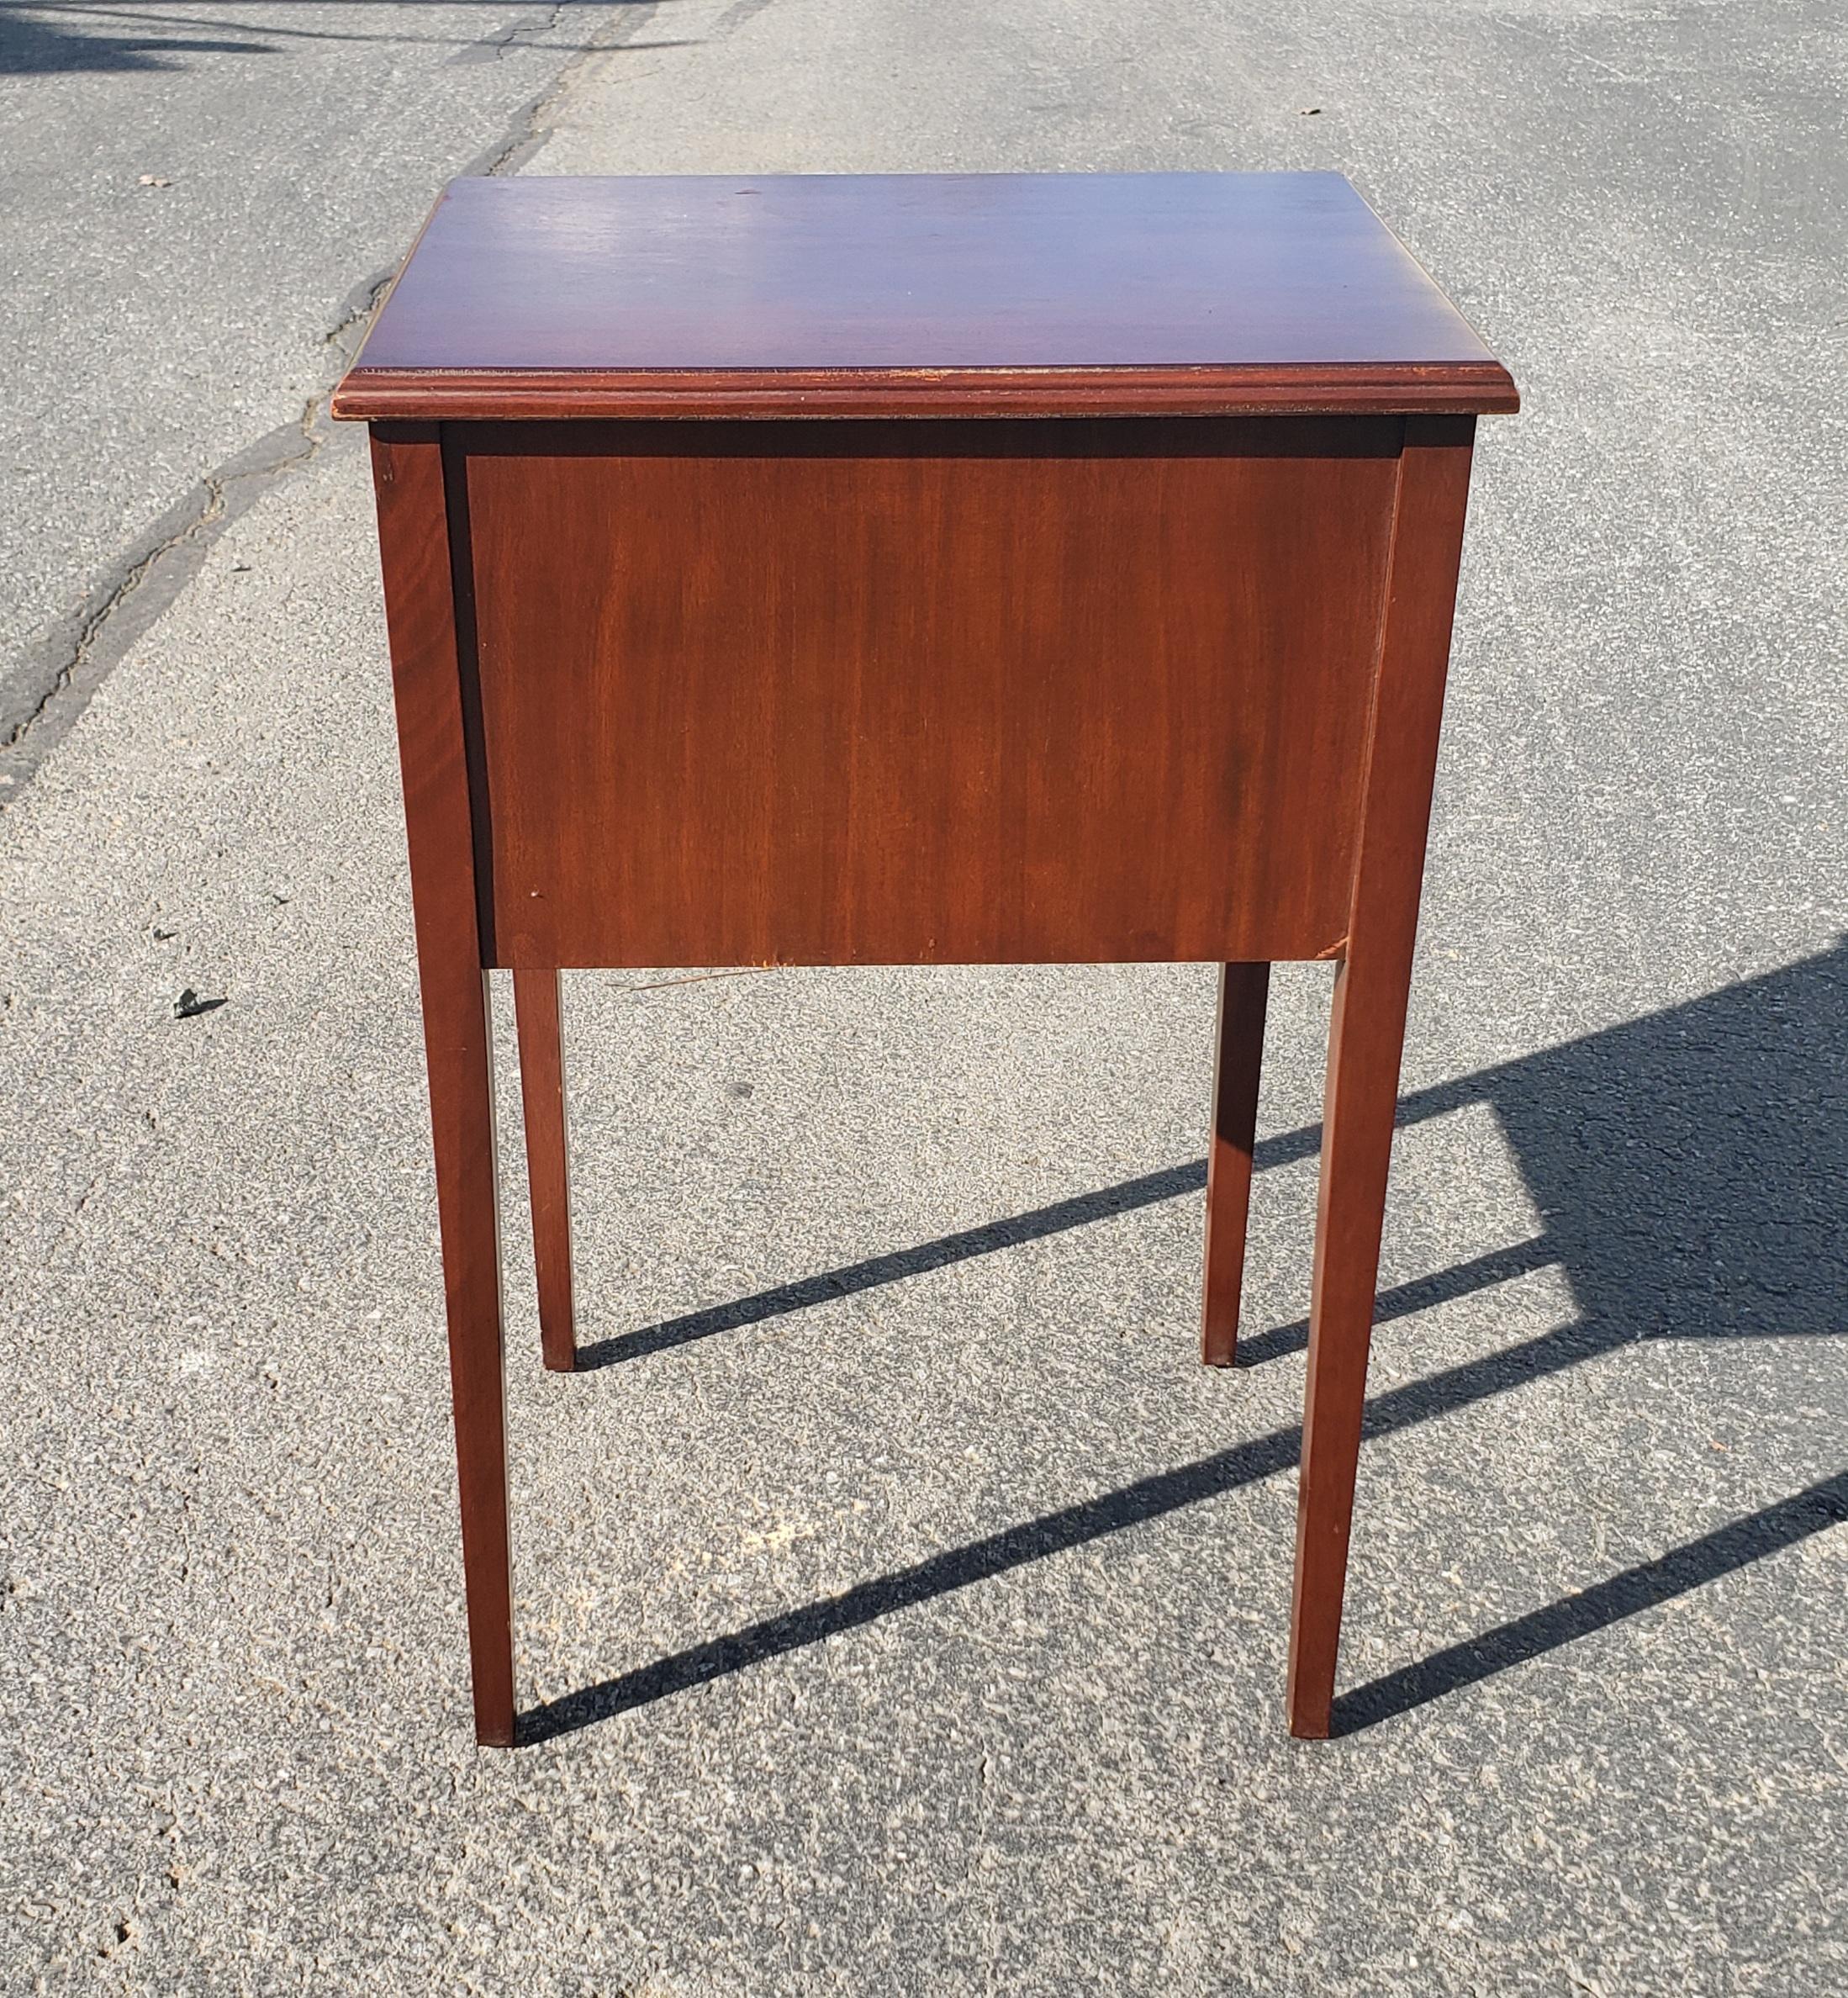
{"x":926,"y":692}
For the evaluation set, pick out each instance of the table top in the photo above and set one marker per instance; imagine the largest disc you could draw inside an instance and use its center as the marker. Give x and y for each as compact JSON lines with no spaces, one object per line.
{"x":883,"y":295}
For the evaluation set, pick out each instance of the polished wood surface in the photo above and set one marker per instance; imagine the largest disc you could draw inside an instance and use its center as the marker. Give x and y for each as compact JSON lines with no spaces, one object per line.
{"x":1237,"y":1061}
{"x":980,"y":684}
{"x":536,"y":1013}
{"x":782,"y":693}
{"x":426,"y":685}
{"x":1366,"y":1038}
{"x":951,"y":294}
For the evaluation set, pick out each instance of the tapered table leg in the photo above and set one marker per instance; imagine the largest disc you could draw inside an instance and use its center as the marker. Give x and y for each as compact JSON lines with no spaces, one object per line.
{"x":456,"y":1038}
{"x":1237,"y":1059}
{"x":439,"y":820}
{"x":548,"y":1172}
{"x":1362,"y":1095}
{"x":1367,"y":1035}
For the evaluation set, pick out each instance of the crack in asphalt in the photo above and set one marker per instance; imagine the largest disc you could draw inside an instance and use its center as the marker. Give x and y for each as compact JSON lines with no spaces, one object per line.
{"x":356,"y":309}
{"x":63,"y":672}
{"x":73,"y":662}
{"x":517,"y":33}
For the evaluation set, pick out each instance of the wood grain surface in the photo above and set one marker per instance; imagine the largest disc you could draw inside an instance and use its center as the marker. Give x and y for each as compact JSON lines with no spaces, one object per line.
{"x":1366,"y":1036}
{"x":414,"y":545}
{"x":1041,"y":656}
{"x":915,"y":693}
{"x":921,"y":294}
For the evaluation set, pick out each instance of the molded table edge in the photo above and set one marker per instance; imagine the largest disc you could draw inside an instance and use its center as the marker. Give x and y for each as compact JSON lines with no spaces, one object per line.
{"x":1468,"y":389}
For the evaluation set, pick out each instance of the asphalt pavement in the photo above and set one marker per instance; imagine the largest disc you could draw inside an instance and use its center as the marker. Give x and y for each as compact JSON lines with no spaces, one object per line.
{"x":197,"y":204}
{"x":902,"y":1606}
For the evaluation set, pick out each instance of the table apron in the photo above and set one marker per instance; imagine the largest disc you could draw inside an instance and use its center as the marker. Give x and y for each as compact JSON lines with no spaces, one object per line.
{"x":916,"y":692}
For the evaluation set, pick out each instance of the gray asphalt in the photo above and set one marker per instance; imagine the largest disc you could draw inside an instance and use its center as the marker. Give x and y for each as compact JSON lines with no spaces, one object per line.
{"x":156,"y":334}
{"x":903,"y":1606}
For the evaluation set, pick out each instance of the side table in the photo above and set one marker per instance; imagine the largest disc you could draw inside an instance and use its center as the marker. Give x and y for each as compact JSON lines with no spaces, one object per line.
{"x":907,"y":570}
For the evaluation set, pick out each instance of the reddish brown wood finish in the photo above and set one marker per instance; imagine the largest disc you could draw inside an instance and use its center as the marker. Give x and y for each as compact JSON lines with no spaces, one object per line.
{"x":407,"y":480}
{"x":1237,"y":1061}
{"x":929,"y":295}
{"x":548,"y":1172}
{"x":1366,"y":1037}
{"x":585,"y":394}
{"x":1111,"y":675}
{"x":1133,"y":658}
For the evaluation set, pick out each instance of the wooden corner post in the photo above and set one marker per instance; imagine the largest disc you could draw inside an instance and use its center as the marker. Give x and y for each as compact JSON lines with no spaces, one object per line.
{"x":438,"y":818}
{"x":1367,"y":1032}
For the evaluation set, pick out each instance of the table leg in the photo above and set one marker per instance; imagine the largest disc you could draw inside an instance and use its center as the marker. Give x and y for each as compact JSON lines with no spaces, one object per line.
{"x":1362,"y":1095}
{"x":1367,"y":1034}
{"x":548,"y":1174}
{"x":456,"y":1037}
{"x":438,"y":822}
{"x":1238,"y":1058}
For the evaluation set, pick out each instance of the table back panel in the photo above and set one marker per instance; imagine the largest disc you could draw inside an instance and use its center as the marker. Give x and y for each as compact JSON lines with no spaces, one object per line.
{"x":918,"y":692}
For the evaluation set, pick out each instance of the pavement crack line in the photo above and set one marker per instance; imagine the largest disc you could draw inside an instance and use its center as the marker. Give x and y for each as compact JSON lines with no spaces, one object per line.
{"x":356,"y":312}
{"x":62,"y":672}
{"x":529,"y":134}
{"x":517,"y":33}
{"x":73,"y":662}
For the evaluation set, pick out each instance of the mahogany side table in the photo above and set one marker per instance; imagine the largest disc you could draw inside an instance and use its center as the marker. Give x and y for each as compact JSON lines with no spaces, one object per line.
{"x":908,"y":570}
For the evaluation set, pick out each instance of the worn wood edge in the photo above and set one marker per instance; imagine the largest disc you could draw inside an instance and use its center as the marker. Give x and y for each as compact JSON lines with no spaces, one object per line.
{"x":1259,"y":949}
{"x":461,"y":394}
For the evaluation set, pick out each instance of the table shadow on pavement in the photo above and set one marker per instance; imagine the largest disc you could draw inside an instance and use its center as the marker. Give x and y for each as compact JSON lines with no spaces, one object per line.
{"x":39,"y":38}
{"x":1687,"y":1167}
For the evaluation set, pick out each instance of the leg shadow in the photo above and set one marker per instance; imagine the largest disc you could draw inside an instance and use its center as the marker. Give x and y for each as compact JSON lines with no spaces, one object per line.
{"x":898,"y":1264}
{"x":1812,"y":1510}
{"x":1148,"y":1499}
{"x":1689,"y":1168}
